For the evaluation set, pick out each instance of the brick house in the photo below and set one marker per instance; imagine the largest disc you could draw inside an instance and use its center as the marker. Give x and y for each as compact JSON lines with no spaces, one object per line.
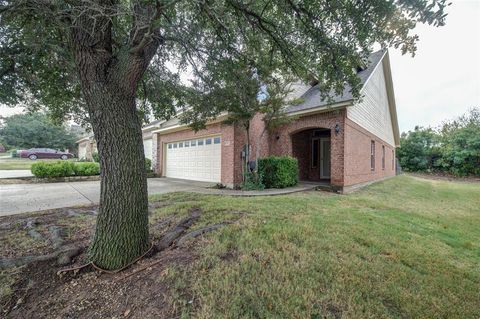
{"x":346,"y":143}
{"x":87,"y":144}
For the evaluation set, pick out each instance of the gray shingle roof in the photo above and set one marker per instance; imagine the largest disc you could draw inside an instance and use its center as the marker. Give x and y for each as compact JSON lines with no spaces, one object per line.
{"x":312,"y":98}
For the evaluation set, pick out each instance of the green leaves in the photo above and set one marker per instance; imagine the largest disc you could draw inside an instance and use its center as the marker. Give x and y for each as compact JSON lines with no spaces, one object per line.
{"x":455,"y":148}
{"x":323,"y":40}
{"x":25,"y":131}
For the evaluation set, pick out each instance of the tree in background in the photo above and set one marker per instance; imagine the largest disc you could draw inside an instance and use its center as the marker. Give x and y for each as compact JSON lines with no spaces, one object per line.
{"x":24,"y":131}
{"x":454,"y":148}
{"x":95,"y":58}
{"x":419,"y":149}
{"x":460,"y":141}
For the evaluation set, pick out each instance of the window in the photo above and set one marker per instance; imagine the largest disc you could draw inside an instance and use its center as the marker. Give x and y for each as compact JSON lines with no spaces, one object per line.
{"x":187,"y":143}
{"x":208,"y":141}
{"x":216,"y":140}
{"x":180,"y":144}
{"x":372,"y":155}
{"x":169,"y":145}
{"x":393,"y":160}
{"x":174,"y":145}
{"x":383,"y":157}
{"x":200,"y":142}
{"x":315,"y":145}
{"x":193,"y":143}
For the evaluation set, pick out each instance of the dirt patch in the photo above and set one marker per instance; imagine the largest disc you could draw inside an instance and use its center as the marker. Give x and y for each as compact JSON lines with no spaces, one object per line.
{"x":41,"y":293}
{"x":40,"y":289}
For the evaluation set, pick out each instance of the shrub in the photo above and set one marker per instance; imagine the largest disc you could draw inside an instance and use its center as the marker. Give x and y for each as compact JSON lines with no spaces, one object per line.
{"x":148,"y":164}
{"x":278,"y":172}
{"x":96,"y":157}
{"x":86,"y":169}
{"x":55,"y":169}
{"x":253,"y":182}
{"x":14,"y":153}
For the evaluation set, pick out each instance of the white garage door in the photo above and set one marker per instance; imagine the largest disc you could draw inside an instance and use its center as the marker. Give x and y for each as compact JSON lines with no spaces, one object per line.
{"x":198,"y":159}
{"x":147,"y":146}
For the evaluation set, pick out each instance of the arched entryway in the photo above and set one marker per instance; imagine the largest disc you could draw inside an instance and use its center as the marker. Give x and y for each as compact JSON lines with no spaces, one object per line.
{"x":312,"y":148}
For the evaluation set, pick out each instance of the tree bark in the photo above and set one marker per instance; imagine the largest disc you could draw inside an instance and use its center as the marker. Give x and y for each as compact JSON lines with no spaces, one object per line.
{"x":109,"y":83}
{"x":121,"y":232}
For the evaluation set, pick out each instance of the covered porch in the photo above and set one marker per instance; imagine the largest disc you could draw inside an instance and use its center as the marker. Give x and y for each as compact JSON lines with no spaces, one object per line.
{"x":312,"y":148}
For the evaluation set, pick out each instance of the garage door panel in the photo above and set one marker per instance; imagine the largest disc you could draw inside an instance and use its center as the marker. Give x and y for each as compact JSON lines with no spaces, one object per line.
{"x":200,"y":160}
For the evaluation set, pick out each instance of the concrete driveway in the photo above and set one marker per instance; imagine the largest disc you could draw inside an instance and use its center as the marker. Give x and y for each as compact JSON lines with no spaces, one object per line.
{"x":21,"y":198}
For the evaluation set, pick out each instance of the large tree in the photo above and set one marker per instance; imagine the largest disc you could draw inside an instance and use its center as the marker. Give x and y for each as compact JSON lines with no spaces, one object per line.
{"x":96,"y":58}
{"x":36,"y":130}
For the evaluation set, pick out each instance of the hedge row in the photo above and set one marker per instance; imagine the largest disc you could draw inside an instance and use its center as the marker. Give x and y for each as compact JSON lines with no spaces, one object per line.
{"x":278,"y":172}
{"x":64,"y":169}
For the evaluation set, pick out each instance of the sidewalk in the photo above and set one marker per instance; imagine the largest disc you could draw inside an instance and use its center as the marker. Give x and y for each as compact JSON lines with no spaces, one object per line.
{"x":14,"y":173}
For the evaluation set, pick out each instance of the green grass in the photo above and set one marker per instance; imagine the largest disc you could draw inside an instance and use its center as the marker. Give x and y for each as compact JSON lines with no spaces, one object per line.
{"x":403,"y":248}
{"x":22,"y":163}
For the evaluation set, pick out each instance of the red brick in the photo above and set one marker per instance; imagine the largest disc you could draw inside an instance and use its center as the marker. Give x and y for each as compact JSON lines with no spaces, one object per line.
{"x":350,"y":147}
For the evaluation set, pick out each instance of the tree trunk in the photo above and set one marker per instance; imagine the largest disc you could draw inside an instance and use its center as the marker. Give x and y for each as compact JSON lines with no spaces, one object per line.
{"x":121,"y":232}
{"x":109,"y":84}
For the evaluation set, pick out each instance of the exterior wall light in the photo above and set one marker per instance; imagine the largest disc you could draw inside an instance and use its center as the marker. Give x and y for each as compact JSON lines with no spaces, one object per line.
{"x":337,"y":128}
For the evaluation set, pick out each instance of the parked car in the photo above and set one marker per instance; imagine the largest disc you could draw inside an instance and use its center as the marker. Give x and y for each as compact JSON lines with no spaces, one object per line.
{"x":35,"y":153}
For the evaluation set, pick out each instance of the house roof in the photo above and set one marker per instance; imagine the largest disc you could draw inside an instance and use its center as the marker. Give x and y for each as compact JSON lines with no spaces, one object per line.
{"x":312,"y":97}
{"x":147,"y":128}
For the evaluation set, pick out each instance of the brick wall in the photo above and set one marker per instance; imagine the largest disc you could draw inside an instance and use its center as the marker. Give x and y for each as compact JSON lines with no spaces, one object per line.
{"x":281,"y":139}
{"x":301,"y":151}
{"x":357,"y":155}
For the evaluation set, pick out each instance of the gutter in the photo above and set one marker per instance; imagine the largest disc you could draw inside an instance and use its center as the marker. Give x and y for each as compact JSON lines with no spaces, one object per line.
{"x":181,"y":127}
{"x":323,"y":108}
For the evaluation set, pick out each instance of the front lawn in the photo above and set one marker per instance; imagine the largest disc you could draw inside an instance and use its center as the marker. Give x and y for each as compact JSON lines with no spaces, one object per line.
{"x":403,"y":248}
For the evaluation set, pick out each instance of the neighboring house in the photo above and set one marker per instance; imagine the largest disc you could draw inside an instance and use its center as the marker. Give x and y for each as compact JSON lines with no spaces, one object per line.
{"x":87,"y":145}
{"x":344,"y":143}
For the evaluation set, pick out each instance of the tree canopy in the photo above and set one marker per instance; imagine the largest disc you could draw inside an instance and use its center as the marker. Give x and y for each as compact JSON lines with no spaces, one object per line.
{"x":24,"y":131}
{"x":324,"y":40}
{"x":97,"y":59}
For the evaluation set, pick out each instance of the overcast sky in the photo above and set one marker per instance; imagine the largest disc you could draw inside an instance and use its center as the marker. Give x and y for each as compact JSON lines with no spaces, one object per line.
{"x":442,"y":81}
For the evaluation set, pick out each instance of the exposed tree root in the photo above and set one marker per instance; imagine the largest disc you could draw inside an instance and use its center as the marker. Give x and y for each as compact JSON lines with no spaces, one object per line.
{"x":32,"y":232}
{"x":193,"y":234}
{"x":63,"y":256}
{"x":56,"y":236}
{"x":169,"y":238}
{"x":177,"y":236}
{"x":181,"y":242}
